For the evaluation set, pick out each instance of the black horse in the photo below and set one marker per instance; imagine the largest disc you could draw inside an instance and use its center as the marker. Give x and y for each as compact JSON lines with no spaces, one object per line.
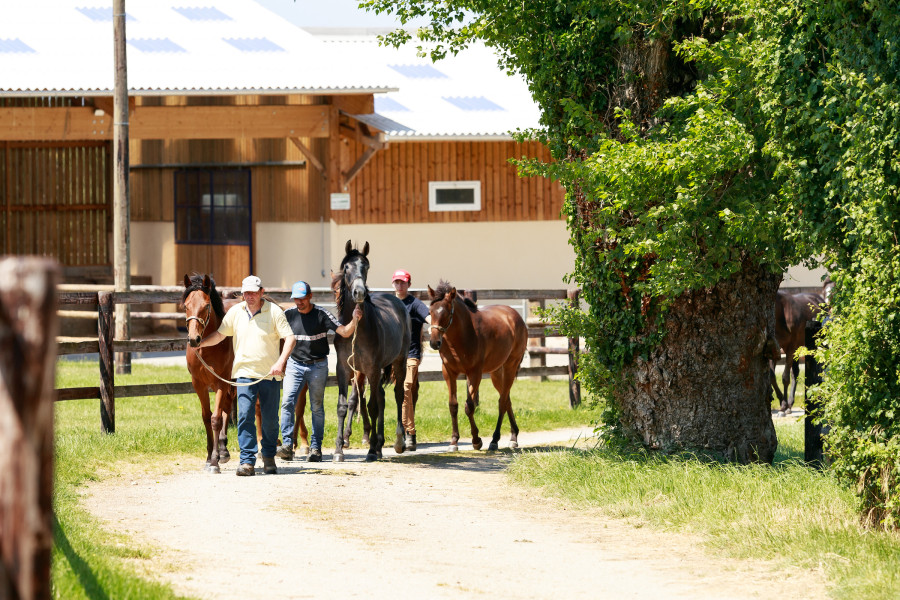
{"x":381,"y":341}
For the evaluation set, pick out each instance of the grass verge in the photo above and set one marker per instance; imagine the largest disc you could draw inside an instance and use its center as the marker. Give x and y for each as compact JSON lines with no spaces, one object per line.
{"x":788,"y":513}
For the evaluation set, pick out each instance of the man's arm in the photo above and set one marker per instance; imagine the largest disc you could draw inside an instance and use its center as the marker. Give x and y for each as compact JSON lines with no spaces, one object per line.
{"x":279,"y":367}
{"x":211,"y":340}
{"x":348,"y":329}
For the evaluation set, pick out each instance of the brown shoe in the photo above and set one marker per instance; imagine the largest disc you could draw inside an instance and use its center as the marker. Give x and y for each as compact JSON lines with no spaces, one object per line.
{"x":246,"y":470}
{"x":269,"y":465}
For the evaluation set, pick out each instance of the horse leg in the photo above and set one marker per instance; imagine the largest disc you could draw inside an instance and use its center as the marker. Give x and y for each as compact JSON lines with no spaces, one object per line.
{"x":356,"y":404}
{"x":376,"y":415}
{"x":454,"y":409}
{"x":300,"y":432}
{"x":206,"y":413}
{"x":364,"y":409}
{"x":399,"y":370}
{"x":773,"y":381}
{"x":787,"y":400}
{"x":217,"y":424}
{"x":503,"y":407}
{"x":795,"y":373}
{"x":471,"y":402}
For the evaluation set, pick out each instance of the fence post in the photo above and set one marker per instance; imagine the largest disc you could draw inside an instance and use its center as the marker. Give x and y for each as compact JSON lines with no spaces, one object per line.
{"x":538,"y":360}
{"x":28,"y":328}
{"x":106,"y":308}
{"x":574,"y":350}
{"x":813,"y":450}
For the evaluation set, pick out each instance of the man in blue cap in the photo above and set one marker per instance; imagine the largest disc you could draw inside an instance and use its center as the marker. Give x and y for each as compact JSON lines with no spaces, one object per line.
{"x":308,"y":365}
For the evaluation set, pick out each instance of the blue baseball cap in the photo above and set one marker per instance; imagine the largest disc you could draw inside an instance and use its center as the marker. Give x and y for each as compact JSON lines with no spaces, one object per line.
{"x":300,"y":289}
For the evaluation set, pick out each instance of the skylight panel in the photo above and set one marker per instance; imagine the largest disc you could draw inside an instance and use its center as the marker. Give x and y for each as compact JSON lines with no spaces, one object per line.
{"x":418,"y":71}
{"x":201,"y":13}
{"x":156,"y":45}
{"x":472,"y":103}
{"x":14,"y":45}
{"x":254,"y":44}
{"x":383,"y":104}
{"x":100,"y":14}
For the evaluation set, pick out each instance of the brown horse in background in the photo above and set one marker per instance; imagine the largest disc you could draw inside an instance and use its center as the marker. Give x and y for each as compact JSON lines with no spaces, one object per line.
{"x":792,"y":311}
{"x":204,"y":311}
{"x":475,"y":341}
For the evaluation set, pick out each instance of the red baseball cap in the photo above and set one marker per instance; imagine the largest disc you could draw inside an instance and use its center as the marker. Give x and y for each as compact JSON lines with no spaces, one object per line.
{"x":401,"y":275}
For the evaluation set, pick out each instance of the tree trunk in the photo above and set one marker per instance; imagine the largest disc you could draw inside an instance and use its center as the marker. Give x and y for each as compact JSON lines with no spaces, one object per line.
{"x":706,"y":386}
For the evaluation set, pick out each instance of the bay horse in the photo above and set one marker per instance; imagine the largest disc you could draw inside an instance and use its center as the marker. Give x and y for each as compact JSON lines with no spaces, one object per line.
{"x":378,"y":347}
{"x":475,"y":341}
{"x":792,"y":311}
{"x":204,"y":310}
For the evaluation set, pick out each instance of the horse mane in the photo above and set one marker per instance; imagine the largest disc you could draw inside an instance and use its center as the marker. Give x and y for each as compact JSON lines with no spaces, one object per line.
{"x":444,"y":287}
{"x":215,"y":299}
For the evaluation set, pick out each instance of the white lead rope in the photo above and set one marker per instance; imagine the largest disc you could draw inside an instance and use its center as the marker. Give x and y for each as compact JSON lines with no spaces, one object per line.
{"x":228,"y":381}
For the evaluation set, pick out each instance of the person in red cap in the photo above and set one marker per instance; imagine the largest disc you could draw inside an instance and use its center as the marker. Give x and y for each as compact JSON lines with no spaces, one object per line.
{"x":418,"y":316}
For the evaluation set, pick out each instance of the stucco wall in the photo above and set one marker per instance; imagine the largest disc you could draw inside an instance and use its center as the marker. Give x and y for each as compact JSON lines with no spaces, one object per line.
{"x":153,"y":251}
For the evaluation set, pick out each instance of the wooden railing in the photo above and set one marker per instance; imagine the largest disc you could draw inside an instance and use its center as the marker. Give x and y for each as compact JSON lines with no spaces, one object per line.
{"x":104,"y":344}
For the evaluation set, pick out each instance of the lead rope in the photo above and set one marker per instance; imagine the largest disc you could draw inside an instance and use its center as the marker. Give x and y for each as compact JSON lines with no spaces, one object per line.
{"x":349,"y":361}
{"x":228,"y":381}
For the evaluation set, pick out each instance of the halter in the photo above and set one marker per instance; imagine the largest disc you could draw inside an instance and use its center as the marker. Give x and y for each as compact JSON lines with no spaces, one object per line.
{"x":450,"y":322}
{"x":203,"y":322}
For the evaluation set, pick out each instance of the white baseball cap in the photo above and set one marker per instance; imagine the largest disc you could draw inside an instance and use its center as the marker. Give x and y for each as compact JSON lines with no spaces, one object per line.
{"x":251,"y":284}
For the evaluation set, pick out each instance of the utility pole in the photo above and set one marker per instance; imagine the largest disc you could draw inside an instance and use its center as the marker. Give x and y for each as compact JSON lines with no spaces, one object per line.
{"x":121,"y":196}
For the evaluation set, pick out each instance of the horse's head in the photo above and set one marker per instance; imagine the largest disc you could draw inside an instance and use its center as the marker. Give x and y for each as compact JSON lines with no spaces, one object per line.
{"x":201,"y":301}
{"x":355,"y":270}
{"x":442,"y":309}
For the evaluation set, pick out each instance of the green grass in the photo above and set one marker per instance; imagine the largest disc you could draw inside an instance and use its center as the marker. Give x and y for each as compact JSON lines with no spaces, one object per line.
{"x":90,"y":562}
{"x":788,"y":513}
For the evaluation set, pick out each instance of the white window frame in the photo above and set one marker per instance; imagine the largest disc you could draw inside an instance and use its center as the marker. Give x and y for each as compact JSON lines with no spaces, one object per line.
{"x":434,"y":186}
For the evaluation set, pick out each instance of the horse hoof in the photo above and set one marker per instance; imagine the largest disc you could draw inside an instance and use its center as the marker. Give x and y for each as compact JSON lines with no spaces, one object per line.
{"x":346,"y":444}
{"x":476,"y":443}
{"x":371,"y":457}
{"x":453,"y":448}
{"x":303,"y":450}
{"x":337,"y":457}
{"x":213,"y":469}
{"x":492,"y":446}
{"x":398,"y":446}
{"x":224,"y":457}
{"x":513,"y":444}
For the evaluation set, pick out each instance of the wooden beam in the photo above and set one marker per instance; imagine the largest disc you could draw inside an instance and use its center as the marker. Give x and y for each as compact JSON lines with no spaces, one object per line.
{"x":166,"y":122}
{"x":356,"y":168}
{"x":313,"y":160}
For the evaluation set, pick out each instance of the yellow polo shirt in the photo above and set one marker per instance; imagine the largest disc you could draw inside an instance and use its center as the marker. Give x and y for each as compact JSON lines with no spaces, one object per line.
{"x":255,"y":338}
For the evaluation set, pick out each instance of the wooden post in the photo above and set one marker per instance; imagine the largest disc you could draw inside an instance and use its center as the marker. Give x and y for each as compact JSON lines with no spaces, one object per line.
{"x":574,"y":350}
{"x":121,"y":197}
{"x":28,"y":329}
{"x":813,"y":450}
{"x":107,"y":372}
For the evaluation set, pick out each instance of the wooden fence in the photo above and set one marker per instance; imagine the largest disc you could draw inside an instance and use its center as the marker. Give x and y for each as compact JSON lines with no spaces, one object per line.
{"x":107,"y":346}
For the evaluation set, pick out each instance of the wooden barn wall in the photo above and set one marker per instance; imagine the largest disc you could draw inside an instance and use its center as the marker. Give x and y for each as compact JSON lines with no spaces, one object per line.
{"x":56,"y":200}
{"x":279,"y":193}
{"x":393,"y":186}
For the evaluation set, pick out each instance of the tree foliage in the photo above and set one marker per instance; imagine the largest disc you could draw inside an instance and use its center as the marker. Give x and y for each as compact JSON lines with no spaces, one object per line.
{"x":698,"y":138}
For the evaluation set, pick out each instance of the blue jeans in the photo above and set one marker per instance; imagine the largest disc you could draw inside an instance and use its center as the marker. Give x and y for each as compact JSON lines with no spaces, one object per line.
{"x":295,"y":376}
{"x":267,"y":390}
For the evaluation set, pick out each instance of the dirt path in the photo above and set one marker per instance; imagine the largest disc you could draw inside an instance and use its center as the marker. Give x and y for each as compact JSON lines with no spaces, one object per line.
{"x":425,"y":525}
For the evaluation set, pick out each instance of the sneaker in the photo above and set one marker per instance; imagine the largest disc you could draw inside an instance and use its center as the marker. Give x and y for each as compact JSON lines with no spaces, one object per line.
{"x":246,"y":470}
{"x":269,"y":465}
{"x":410,"y":442}
{"x":315,"y":455}
{"x":285,"y":452}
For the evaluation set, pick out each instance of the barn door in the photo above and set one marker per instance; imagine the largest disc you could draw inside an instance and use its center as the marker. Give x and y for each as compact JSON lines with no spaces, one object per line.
{"x":56,"y":201}
{"x":213,"y":224}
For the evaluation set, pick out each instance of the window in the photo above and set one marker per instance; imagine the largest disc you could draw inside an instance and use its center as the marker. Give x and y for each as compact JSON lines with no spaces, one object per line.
{"x":212,"y":207}
{"x":454,"y":195}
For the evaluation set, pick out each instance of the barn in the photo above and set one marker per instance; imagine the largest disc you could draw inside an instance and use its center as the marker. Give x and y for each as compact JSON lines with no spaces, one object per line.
{"x":260,"y":146}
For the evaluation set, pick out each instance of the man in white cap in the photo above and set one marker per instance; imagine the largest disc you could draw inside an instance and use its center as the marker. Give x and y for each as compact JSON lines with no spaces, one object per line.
{"x":255,"y":327}
{"x":308,"y":365}
{"x":418,"y":316}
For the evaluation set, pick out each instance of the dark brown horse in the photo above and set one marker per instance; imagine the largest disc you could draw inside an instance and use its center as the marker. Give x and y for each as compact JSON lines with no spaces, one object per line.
{"x":474,"y":341}
{"x":204,"y":310}
{"x":379,"y":345}
{"x":792,"y":311}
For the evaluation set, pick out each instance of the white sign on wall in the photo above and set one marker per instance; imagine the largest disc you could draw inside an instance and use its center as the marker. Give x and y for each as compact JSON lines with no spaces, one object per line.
{"x":340,"y":201}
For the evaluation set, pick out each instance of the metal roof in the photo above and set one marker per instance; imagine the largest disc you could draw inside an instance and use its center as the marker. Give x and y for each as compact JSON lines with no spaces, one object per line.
{"x":65,"y":47}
